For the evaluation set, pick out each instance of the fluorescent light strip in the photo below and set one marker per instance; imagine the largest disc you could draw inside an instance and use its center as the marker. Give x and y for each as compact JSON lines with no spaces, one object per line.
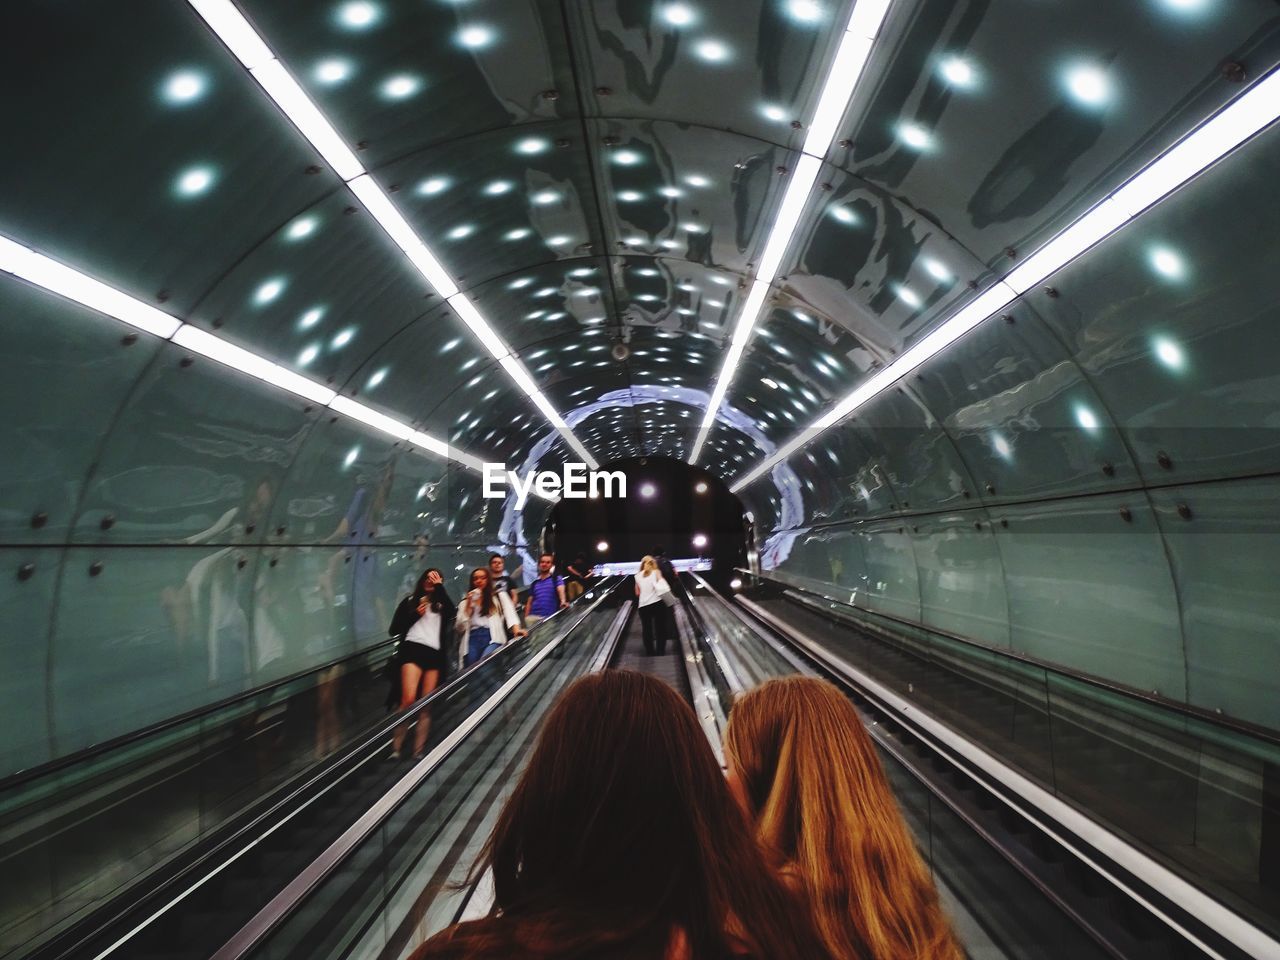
{"x":240,"y":37}
{"x":837,"y":92}
{"x":215,"y":348}
{"x":58,"y":278}
{"x":1247,"y":115}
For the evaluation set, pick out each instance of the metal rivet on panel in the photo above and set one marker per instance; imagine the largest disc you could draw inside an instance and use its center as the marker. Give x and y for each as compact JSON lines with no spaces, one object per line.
{"x":1126,"y":515}
{"x":26,"y":571}
{"x":362,"y":144}
{"x":107,"y":522}
{"x":186,"y":362}
{"x":1108,"y":469}
{"x":1010,"y":252}
{"x":550,"y":94}
{"x":826,"y":187}
{"x":308,"y":408}
{"x":972,"y":284}
{"x":350,"y":210}
{"x":965,"y":494}
{"x":1164,"y":460}
{"x":563,"y":142}
{"x":311,"y":170}
{"x":1004,"y":522}
{"x":604,"y":91}
{"x":780,"y":170}
{"x":393,"y":188}
{"x":1008,"y":318}
{"x":846,"y":143}
{"x":274,"y":561}
{"x":977,"y":524}
{"x":95,"y":568}
{"x":128,"y":340}
{"x":346,"y":559}
{"x":162,"y":296}
{"x":217,"y":323}
{"x":797,"y":125}
{"x":1184,"y":511}
{"x":38,"y":520}
{"x":1051,"y":293}
{"x":991,"y":488}
{"x":279,"y":531}
{"x":240,"y":564}
{"x":610,"y":140}
{"x":1234,"y":71}
{"x":250,"y":527}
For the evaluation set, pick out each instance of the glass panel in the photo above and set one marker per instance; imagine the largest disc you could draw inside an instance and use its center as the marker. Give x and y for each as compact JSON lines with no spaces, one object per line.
{"x":961,"y":576}
{"x":1174,"y":319}
{"x":1092,"y":591}
{"x":1224,"y":554}
{"x":59,"y":402}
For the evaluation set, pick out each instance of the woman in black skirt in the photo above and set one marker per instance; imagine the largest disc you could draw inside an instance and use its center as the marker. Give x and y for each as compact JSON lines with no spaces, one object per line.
{"x":420,"y":623}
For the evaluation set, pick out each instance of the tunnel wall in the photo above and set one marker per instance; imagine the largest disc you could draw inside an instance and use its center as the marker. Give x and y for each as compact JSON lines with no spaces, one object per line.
{"x":174,"y":535}
{"x":1092,"y":482}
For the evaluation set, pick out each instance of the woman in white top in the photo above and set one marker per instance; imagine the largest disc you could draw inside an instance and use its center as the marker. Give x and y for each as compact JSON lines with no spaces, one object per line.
{"x":650,"y":586}
{"x":483,"y":618}
{"x":419,"y":623}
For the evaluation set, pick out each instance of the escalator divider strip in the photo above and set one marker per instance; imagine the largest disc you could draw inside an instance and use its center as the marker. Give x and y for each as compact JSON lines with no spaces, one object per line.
{"x":1230,"y":926}
{"x":298,"y":888}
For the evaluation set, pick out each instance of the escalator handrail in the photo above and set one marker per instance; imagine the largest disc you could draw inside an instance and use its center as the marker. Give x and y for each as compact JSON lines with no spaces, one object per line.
{"x":1038,"y":805}
{"x":301,"y":886}
{"x":21,"y":777}
{"x":1179,"y":707}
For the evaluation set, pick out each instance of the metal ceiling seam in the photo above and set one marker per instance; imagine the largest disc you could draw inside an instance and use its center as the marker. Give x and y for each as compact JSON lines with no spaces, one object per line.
{"x":1244,"y":117}
{"x":241,"y":38}
{"x":58,"y":278}
{"x":838,"y":89}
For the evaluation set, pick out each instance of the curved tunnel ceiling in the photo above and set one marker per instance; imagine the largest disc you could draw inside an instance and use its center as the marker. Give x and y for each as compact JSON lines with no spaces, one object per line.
{"x":600,"y":179}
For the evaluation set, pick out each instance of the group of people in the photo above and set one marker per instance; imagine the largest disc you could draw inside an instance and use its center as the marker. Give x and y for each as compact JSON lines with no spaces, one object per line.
{"x":484,"y":621}
{"x":624,"y":839}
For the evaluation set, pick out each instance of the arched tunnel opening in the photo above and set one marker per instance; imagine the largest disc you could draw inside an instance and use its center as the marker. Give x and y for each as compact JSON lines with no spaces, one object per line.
{"x":951,"y":325}
{"x":671,"y":508}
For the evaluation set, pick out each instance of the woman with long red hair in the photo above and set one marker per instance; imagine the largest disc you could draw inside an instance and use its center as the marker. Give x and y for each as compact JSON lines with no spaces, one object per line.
{"x":622,"y":841}
{"x":804,"y":767}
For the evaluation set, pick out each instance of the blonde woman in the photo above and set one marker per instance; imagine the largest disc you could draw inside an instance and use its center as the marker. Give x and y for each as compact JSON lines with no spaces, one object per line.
{"x":653,"y":620}
{"x":804,"y":768}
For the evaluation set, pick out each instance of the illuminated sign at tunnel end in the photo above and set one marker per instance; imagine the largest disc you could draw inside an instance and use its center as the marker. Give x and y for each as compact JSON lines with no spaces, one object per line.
{"x":575,"y":482}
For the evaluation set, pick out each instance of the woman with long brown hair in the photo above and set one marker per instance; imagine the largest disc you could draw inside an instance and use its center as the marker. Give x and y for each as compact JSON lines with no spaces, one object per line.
{"x":484,"y":617}
{"x":622,"y":841}
{"x":803,"y":765}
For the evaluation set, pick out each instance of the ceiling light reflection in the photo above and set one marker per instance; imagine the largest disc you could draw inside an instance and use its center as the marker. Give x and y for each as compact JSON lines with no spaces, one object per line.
{"x":1167,"y":263}
{"x":1088,"y":84}
{"x":185,"y":86}
{"x":957,"y":71}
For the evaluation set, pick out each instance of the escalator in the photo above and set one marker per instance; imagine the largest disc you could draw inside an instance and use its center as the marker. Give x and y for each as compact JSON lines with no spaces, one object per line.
{"x":1020,"y":879}
{"x":211,"y":894}
{"x":381,"y":862}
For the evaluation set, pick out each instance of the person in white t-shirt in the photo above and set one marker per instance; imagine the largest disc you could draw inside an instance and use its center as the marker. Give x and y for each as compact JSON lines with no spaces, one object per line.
{"x":650,"y":587}
{"x":420,"y":622}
